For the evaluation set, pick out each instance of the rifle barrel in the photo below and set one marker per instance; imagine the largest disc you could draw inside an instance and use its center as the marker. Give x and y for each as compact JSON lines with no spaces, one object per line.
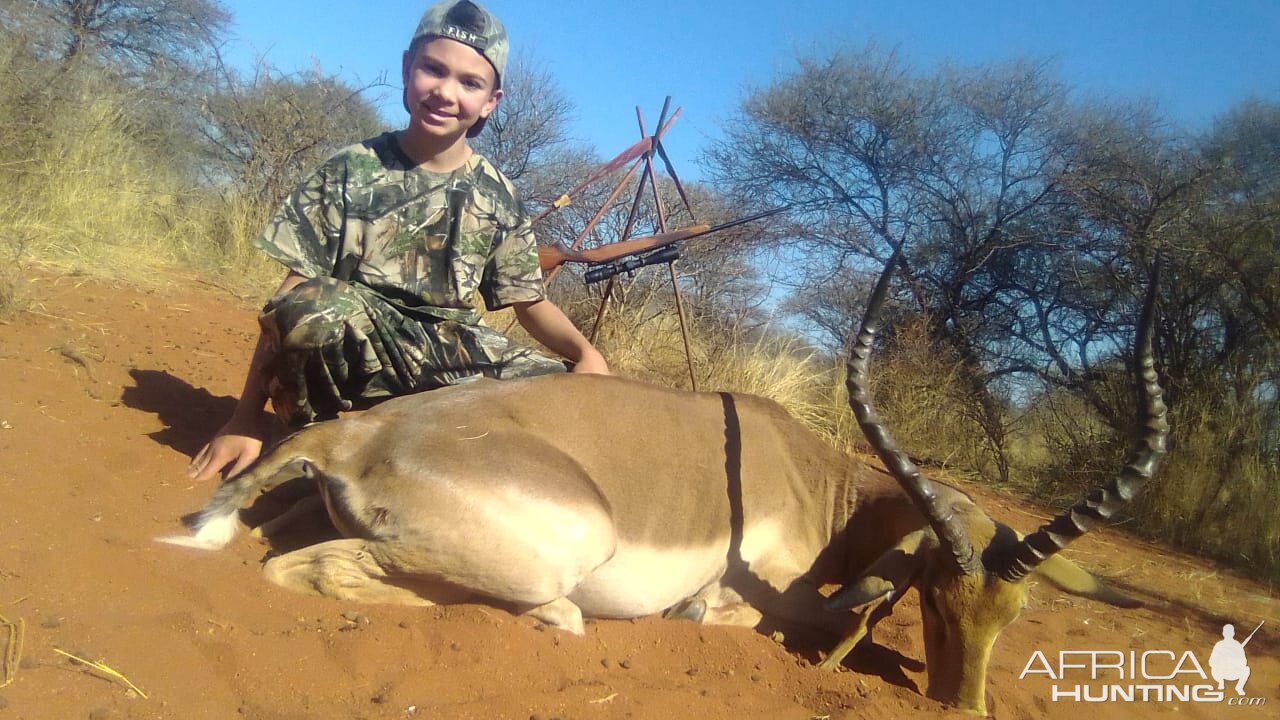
{"x":1255,"y":632}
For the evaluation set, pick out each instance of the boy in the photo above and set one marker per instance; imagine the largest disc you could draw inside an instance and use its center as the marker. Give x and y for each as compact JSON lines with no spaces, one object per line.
{"x":386,"y":245}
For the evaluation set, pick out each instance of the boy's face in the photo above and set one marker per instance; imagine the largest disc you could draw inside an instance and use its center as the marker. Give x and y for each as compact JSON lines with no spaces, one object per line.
{"x":449,"y":86}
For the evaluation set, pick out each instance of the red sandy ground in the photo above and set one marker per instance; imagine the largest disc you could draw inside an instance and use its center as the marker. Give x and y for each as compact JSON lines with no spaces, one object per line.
{"x":105,"y":390}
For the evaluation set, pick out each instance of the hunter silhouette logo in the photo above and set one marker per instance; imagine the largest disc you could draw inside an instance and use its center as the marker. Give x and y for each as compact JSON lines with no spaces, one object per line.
{"x":1227,"y":661}
{"x":1163,"y":676}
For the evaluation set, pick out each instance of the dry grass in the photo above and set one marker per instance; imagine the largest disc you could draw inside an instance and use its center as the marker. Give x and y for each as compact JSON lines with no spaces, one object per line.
{"x":646,"y":343}
{"x":89,"y":198}
{"x":92,"y":189}
{"x":1213,"y":501}
{"x":14,"y":293}
{"x":100,"y":207}
{"x":919,"y":391}
{"x":104,"y":669}
{"x":1210,"y":499}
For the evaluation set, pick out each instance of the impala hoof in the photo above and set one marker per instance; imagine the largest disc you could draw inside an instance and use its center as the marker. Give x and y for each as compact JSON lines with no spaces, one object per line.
{"x":694,"y":610}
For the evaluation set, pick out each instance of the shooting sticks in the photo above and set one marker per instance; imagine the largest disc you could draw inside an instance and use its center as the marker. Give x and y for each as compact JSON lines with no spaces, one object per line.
{"x":641,"y":155}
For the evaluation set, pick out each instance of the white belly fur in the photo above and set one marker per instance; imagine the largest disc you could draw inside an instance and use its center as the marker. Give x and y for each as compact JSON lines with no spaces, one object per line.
{"x":641,"y":580}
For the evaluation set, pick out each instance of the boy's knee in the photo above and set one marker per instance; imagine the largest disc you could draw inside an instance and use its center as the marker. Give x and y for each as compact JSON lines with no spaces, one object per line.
{"x":313,"y":314}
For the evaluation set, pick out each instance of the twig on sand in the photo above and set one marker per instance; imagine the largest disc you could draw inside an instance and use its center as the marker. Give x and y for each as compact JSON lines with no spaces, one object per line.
{"x":14,"y":633}
{"x":102,"y":668}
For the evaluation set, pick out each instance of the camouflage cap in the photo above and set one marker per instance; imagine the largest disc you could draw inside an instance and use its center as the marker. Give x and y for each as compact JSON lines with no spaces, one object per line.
{"x":471,"y":24}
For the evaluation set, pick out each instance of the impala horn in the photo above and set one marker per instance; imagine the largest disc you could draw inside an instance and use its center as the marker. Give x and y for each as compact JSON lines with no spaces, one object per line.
{"x":941,"y":517}
{"x":1101,"y":504}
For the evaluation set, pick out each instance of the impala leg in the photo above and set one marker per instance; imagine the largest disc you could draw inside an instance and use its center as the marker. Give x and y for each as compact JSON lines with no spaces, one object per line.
{"x":835,"y":658}
{"x":865,"y":618}
{"x":737,"y":614}
{"x":692,"y":609}
{"x":560,"y":613}
{"x":347,"y":570}
{"x":309,"y":512}
{"x":717,"y":605}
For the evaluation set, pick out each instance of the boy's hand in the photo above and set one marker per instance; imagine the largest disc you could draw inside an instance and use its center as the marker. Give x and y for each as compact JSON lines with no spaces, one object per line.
{"x":228,"y":447}
{"x":547,"y":324}
{"x":592,"y":362}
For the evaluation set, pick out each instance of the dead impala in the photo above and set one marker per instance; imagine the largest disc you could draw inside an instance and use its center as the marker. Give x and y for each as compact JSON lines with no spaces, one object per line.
{"x":569,"y":496}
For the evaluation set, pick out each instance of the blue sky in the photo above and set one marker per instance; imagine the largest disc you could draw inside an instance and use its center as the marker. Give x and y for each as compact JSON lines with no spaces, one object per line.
{"x":1194,"y":59}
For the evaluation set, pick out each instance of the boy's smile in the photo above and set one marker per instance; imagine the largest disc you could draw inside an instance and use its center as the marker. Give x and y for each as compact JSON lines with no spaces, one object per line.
{"x":449,"y":86}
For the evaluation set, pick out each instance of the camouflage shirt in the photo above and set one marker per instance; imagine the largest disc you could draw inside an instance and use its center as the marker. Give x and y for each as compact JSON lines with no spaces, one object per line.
{"x":426,"y":241}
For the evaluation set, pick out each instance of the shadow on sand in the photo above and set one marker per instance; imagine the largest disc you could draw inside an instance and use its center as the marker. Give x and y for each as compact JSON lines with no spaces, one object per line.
{"x":190,"y":415}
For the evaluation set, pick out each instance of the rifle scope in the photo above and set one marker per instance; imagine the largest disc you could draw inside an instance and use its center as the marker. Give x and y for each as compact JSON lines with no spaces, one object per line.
{"x":670,"y":253}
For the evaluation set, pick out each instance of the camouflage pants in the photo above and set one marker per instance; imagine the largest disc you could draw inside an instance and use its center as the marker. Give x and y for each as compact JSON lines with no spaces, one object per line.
{"x":337,"y":346}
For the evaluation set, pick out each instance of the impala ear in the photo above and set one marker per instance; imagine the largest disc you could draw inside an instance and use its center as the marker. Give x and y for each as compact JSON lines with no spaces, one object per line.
{"x":887,"y":577}
{"x":1071,"y":578}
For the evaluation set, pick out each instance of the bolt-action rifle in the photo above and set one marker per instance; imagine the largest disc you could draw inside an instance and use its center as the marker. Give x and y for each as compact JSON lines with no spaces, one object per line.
{"x":1255,"y":632}
{"x":634,"y":254}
